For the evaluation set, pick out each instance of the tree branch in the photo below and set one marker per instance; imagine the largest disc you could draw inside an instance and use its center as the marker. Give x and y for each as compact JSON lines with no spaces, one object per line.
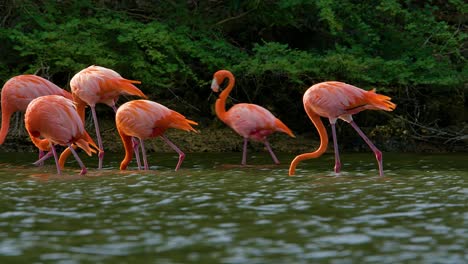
{"x":235,"y":17}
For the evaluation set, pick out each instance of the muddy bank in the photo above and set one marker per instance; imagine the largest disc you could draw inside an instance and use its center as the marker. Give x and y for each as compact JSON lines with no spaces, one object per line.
{"x":224,"y":139}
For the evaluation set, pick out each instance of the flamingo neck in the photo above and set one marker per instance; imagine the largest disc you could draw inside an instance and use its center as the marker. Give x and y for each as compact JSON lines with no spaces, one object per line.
{"x":5,"y":125}
{"x":128,"y":146}
{"x":41,"y":143}
{"x":323,"y":142}
{"x":220,"y":106}
{"x":80,"y":108}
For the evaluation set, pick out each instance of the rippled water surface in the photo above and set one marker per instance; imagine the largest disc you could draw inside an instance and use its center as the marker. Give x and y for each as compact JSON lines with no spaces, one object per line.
{"x":213,"y":211}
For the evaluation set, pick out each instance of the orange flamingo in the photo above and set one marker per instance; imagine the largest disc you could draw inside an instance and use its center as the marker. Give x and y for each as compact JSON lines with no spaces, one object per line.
{"x":251,"y":121}
{"x":339,"y":100}
{"x":19,"y":91}
{"x":97,"y":84}
{"x":145,"y":119}
{"x":53,"y":120}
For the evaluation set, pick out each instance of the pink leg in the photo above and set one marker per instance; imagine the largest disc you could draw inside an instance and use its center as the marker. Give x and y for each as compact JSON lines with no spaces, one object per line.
{"x":82,"y":166}
{"x":143,"y":152}
{"x":244,"y":152}
{"x":41,"y":154}
{"x":98,"y":135}
{"x":52,"y":148}
{"x":377,"y":152}
{"x":136,"y":149}
{"x":40,"y":161}
{"x":174,"y":147}
{"x":335,"y":147}
{"x":273,"y":156}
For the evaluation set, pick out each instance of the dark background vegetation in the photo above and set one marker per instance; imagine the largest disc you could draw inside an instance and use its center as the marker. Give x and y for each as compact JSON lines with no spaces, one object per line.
{"x":413,"y":51}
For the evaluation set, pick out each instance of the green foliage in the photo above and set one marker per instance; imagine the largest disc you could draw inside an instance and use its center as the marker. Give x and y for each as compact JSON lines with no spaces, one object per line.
{"x":276,"y":49}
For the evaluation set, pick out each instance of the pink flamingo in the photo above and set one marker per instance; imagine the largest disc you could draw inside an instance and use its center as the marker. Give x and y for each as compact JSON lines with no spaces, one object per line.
{"x":146,"y":119}
{"x":53,"y":120}
{"x":19,"y":91}
{"x":94,"y":85}
{"x":337,"y":100}
{"x":251,"y":121}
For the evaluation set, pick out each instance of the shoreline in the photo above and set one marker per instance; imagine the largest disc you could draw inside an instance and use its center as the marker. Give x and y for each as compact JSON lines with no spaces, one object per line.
{"x":224,"y":139}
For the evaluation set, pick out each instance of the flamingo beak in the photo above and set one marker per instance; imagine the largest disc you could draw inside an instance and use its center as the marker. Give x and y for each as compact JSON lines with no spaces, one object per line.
{"x":215,"y":86}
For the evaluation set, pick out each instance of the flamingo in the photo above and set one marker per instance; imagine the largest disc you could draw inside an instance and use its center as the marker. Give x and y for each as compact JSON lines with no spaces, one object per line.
{"x":144,"y":119}
{"x":55,"y":119}
{"x":338,"y":100}
{"x":97,"y":84}
{"x":251,"y":121}
{"x":18,"y":92}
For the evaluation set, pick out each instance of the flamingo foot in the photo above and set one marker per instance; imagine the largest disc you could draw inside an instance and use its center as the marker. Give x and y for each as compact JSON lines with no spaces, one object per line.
{"x":181,"y":159}
{"x":101,"y":158}
{"x":83,"y":171}
{"x":337,"y":167}
{"x":378,"y":156}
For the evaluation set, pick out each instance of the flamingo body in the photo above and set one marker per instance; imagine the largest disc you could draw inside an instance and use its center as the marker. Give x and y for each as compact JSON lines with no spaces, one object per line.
{"x":19,"y":91}
{"x":338,"y":100}
{"x":146,"y":119}
{"x":251,"y":121}
{"x":55,"y":118}
{"x":97,"y":84}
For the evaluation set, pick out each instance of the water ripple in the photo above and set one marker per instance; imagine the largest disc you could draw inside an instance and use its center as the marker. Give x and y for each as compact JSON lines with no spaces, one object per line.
{"x":208,"y":213}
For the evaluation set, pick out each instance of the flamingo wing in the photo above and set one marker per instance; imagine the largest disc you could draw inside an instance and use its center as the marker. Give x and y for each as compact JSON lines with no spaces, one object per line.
{"x":97,"y":84}
{"x":146,"y":119}
{"x":21,"y":90}
{"x":54,"y":118}
{"x":340,"y":100}
{"x":251,"y":121}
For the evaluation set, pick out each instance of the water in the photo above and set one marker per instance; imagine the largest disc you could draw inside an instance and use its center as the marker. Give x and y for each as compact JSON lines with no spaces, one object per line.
{"x":213,"y":211}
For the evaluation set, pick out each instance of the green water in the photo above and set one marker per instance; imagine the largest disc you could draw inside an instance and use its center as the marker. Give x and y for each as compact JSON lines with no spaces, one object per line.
{"x":212,"y":211}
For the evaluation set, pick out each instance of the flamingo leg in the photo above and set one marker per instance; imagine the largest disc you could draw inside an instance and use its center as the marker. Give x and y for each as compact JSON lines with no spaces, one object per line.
{"x":143,"y":152}
{"x":273,"y":156}
{"x":174,"y":147}
{"x":82,"y":166}
{"x":244,"y":152}
{"x":40,"y":161}
{"x":136,"y":149}
{"x":335,"y":147}
{"x":98,"y":135}
{"x":377,"y":152}
{"x":52,"y":148}
{"x":41,"y":154}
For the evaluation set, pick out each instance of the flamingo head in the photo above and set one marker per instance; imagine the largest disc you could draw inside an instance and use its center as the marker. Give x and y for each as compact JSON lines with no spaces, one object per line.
{"x":215,"y":85}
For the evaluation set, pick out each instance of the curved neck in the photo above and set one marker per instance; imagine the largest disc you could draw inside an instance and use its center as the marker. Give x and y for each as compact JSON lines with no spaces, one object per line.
{"x":80,"y":107}
{"x":128,"y":145}
{"x":323,"y":142}
{"x":220,"y":106}
{"x":42,"y":144}
{"x":5,"y":125}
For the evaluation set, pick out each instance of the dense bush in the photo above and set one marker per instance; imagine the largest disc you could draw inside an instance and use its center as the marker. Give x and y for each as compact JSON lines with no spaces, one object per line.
{"x":413,"y":51}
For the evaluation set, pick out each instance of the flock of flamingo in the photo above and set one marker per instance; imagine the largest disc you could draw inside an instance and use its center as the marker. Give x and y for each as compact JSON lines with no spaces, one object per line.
{"x":54,"y":116}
